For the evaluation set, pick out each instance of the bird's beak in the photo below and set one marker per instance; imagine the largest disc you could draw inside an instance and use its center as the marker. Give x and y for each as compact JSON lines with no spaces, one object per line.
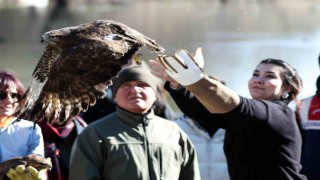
{"x":42,"y":40}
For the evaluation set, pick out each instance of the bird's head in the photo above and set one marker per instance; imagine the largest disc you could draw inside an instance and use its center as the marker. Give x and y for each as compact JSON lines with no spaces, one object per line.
{"x":55,"y":37}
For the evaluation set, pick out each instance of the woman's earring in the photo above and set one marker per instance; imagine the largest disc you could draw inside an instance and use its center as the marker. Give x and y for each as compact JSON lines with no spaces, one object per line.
{"x":285,"y":95}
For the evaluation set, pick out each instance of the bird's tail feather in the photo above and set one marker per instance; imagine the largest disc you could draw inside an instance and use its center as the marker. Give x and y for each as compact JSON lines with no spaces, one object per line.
{"x":28,"y":98}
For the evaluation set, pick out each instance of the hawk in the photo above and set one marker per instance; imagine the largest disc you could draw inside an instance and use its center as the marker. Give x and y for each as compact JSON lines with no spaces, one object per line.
{"x":77,"y":67}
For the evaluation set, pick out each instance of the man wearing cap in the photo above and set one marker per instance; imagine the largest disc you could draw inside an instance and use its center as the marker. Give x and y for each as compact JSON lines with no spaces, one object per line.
{"x":133,"y":143}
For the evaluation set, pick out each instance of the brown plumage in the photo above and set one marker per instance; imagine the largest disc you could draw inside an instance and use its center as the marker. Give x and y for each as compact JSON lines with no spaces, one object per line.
{"x":77,"y":67}
{"x":33,"y":160}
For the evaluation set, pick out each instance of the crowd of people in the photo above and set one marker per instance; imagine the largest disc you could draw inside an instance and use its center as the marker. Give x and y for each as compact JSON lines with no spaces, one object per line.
{"x":134,"y":134}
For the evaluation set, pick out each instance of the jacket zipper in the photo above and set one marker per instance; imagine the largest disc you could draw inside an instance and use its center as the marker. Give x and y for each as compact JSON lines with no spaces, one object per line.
{"x":160,"y":163}
{"x":146,"y":144}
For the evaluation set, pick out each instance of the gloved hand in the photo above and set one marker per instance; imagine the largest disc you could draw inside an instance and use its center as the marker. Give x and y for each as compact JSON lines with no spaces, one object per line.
{"x":198,"y":57}
{"x":184,"y":67}
{"x":29,"y":173}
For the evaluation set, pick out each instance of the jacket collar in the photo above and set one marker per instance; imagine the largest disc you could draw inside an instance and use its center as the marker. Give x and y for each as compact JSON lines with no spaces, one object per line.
{"x":133,"y":118}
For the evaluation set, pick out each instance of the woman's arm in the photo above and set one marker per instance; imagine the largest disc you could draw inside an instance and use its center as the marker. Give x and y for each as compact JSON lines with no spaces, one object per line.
{"x":186,"y":102}
{"x":191,"y":107}
{"x":213,"y":95}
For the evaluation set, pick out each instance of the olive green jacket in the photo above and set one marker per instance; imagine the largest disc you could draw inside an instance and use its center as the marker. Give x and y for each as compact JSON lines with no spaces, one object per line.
{"x":125,"y":146}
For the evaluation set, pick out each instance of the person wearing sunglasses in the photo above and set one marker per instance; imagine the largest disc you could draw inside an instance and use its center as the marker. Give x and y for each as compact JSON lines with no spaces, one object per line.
{"x":18,"y":137}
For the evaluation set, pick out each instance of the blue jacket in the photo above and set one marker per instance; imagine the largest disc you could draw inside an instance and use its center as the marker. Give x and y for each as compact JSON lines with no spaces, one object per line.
{"x":20,"y":138}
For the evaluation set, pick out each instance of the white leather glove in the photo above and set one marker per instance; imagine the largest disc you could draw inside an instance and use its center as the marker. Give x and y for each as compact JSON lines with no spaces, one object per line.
{"x":198,"y":57}
{"x":184,"y":67}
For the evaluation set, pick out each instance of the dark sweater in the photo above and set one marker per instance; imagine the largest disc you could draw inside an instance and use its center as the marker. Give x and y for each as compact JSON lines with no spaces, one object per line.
{"x":262,"y":140}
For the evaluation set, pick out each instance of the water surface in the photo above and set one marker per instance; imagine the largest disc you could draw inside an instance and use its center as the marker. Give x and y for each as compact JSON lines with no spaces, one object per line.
{"x":234,"y":35}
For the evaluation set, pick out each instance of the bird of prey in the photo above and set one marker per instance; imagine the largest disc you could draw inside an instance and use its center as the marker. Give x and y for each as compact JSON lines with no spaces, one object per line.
{"x":36,"y":161}
{"x":77,"y":67}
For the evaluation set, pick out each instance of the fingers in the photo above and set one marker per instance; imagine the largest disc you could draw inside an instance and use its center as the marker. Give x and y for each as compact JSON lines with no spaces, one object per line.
{"x":175,"y":64}
{"x":37,"y":175}
{"x":16,"y":174}
{"x":166,"y":61}
{"x":185,"y":57}
{"x":33,"y":171}
{"x":182,"y":68}
{"x":158,"y":70}
{"x":29,"y":173}
{"x":12,"y":174}
{"x":21,"y":168}
{"x":157,"y":63}
{"x":198,"y":57}
{"x":189,"y":59}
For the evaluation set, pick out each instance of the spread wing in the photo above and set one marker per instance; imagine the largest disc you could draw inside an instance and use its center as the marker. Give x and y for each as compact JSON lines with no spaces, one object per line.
{"x":77,"y":78}
{"x":72,"y":74}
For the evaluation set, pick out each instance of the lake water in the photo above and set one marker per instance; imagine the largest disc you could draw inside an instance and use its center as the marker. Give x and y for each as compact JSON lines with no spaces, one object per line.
{"x":235,"y":35}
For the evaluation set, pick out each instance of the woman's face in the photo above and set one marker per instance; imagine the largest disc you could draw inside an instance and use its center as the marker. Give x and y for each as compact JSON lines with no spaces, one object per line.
{"x":8,"y":101}
{"x":266,"y":82}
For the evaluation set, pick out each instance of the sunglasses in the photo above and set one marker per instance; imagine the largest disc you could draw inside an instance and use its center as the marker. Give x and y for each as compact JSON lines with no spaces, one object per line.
{"x":14,"y":96}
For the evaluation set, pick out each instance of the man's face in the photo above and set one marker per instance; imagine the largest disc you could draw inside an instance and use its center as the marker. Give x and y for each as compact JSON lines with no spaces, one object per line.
{"x":135,"y":96}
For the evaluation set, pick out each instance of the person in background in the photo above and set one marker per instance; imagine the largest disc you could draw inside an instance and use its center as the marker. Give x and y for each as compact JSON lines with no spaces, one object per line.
{"x":161,"y":107}
{"x":319,"y":60}
{"x":262,"y":140}
{"x":133,"y":143}
{"x":103,"y":107}
{"x":208,"y":140}
{"x":18,"y":137}
{"x":308,"y":116}
{"x":58,"y":140}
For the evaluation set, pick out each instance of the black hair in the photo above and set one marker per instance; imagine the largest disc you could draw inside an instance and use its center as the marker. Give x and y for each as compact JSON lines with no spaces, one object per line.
{"x":290,"y":78}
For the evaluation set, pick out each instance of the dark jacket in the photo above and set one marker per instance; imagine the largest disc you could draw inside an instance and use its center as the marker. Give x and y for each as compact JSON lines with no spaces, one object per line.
{"x":124,"y":145}
{"x":309,"y":119}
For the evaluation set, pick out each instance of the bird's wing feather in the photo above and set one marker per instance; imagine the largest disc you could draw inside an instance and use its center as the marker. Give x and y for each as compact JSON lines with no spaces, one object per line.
{"x":77,"y":67}
{"x":77,"y":78}
{"x":46,"y":61}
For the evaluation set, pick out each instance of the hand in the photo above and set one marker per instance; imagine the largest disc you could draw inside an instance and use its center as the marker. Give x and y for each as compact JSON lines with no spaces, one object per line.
{"x":198,"y":57}
{"x":158,"y":70}
{"x":184,"y":67}
{"x":29,"y":173}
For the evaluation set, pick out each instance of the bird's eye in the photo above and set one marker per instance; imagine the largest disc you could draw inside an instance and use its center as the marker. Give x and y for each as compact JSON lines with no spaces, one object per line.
{"x":113,"y":37}
{"x":55,"y":38}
